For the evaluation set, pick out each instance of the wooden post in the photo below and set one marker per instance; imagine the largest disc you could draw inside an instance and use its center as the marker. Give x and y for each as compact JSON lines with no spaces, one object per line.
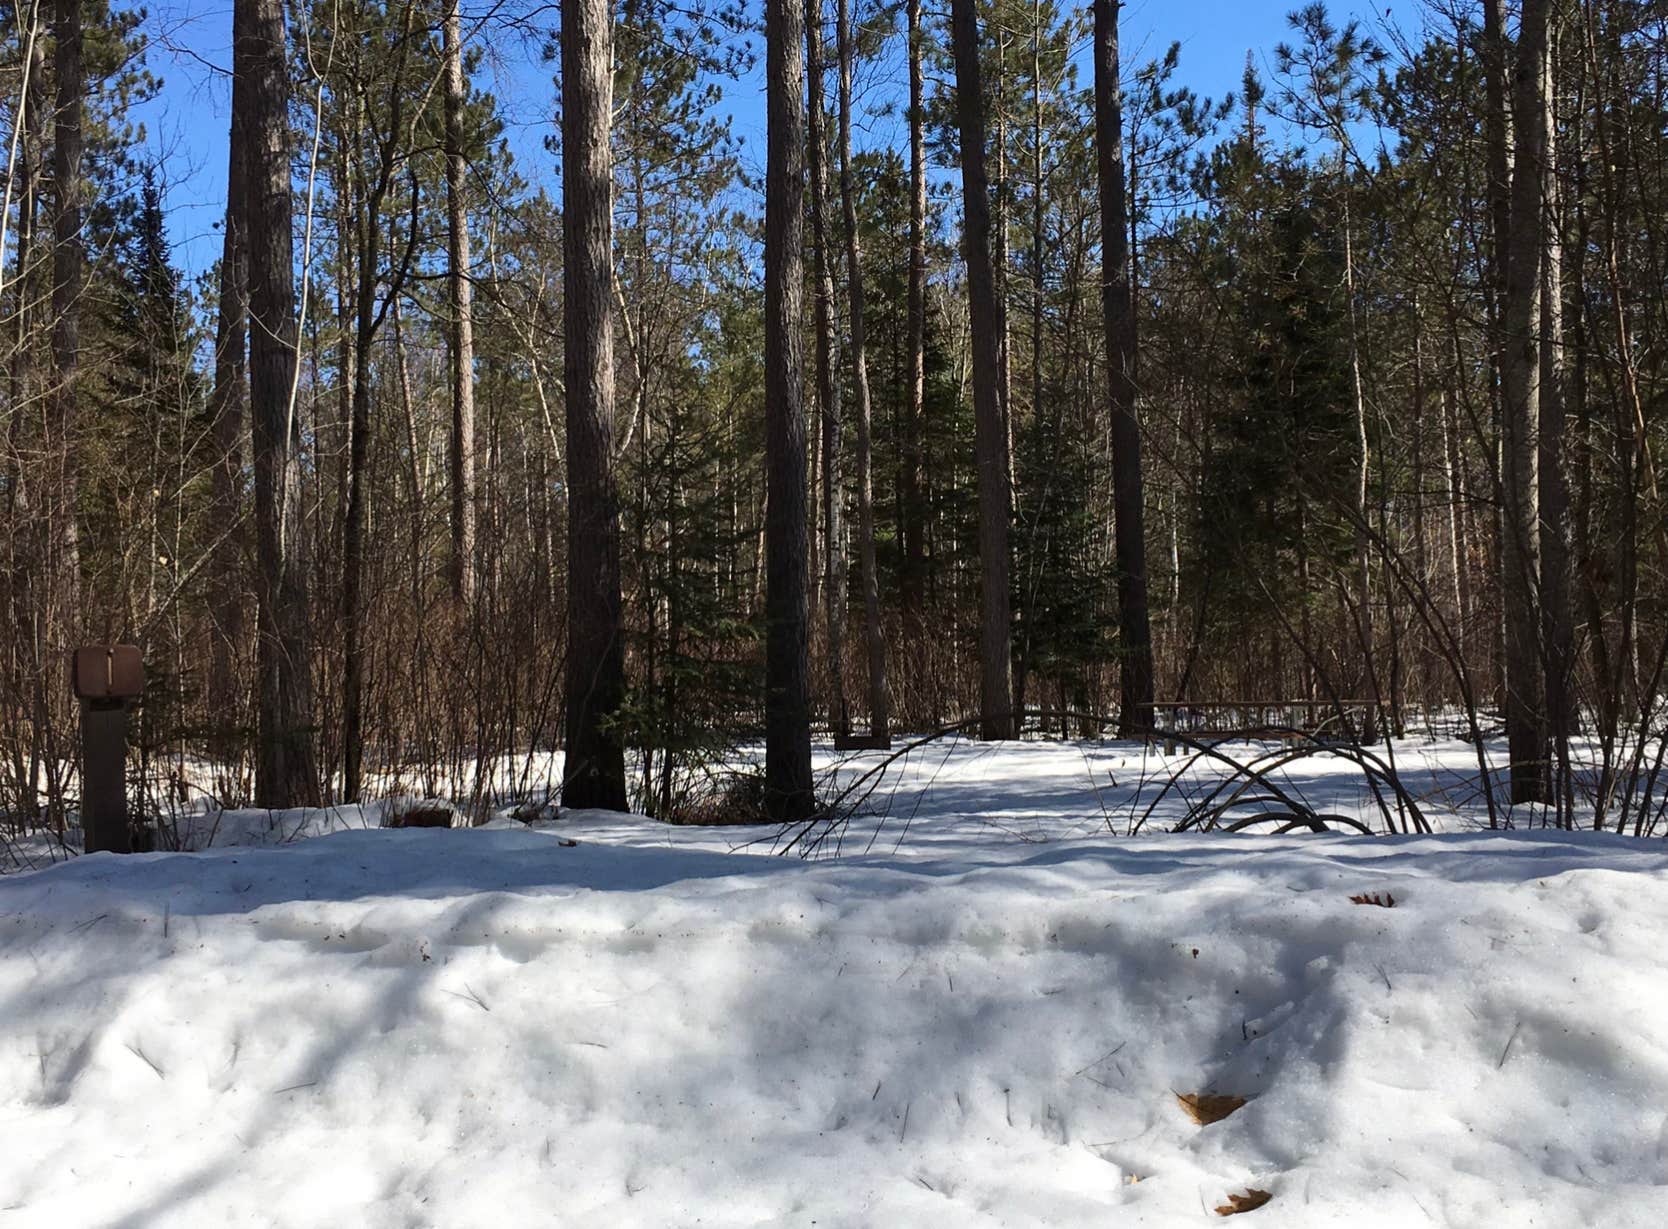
{"x":108,"y":679}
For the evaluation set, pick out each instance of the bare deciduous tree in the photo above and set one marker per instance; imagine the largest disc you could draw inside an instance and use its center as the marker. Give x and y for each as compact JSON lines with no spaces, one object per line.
{"x":68,"y":275}
{"x":226,"y":409}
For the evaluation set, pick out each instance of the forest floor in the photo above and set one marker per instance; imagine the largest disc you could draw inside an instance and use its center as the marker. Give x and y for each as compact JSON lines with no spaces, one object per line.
{"x":983,"y":1012}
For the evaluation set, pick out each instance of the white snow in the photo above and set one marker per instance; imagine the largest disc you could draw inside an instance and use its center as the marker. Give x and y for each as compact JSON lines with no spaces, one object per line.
{"x":982,"y":1022}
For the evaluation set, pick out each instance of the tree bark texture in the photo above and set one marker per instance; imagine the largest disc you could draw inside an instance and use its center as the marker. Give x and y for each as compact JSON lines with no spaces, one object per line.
{"x":1135,"y":655}
{"x":593,"y":772}
{"x":285,"y":770}
{"x":835,"y":566}
{"x":1520,"y":369}
{"x":996,"y":717}
{"x":788,"y":787}
{"x":460,"y":326}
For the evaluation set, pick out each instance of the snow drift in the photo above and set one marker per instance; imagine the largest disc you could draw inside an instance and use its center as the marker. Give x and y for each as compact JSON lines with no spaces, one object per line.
{"x":605,"y":1022}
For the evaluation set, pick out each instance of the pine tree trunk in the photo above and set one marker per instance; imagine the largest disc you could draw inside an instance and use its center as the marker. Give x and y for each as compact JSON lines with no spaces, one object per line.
{"x":1498,"y":130}
{"x":1136,"y":654}
{"x":593,"y":772}
{"x":828,"y":403}
{"x":285,"y":769}
{"x":1038,"y":258}
{"x":1023,"y":649}
{"x":879,"y":701}
{"x":996,"y":717}
{"x":1499,"y":134}
{"x":1526,"y":725}
{"x":788,"y":786}
{"x":461,"y":331}
{"x":1001,"y":257}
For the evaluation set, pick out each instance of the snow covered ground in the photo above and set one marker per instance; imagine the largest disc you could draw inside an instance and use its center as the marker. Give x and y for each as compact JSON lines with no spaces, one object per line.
{"x":981,"y":1014}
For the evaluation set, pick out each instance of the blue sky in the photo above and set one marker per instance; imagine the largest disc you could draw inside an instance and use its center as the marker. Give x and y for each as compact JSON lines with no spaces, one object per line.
{"x":186,"y":125}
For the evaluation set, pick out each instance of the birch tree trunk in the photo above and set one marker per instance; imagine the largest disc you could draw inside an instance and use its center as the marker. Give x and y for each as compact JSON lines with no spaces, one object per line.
{"x":1557,"y":630}
{"x":461,"y":329}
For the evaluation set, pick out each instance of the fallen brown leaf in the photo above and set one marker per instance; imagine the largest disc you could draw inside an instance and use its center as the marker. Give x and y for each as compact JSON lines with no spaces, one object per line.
{"x":1205,"y":1108}
{"x":1386,"y":901}
{"x":1248,"y":1202}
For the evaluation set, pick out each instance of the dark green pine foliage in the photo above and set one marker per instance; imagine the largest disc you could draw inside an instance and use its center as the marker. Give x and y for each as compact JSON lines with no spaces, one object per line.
{"x":1063,"y":612}
{"x":143,"y":401}
{"x":688,"y":350}
{"x":945,"y":504}
{"x":1279,"y":480}
{"x":145,"y":480}
{"x":692,"y":644}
